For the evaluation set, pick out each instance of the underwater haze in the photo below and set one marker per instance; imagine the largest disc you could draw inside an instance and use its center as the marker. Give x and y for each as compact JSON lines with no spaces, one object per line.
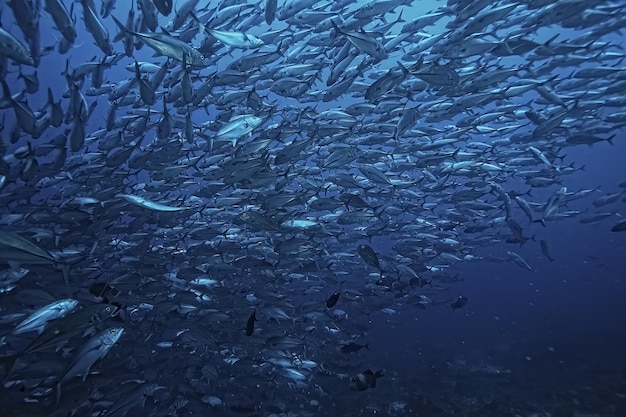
{"x":313,"y":208}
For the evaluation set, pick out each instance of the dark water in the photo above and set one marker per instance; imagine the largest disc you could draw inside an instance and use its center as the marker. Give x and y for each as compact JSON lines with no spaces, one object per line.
{"x":547,"y":342}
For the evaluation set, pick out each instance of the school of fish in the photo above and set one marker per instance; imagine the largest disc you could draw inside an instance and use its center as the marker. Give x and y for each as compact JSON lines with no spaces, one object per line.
{"x":190,"y":202}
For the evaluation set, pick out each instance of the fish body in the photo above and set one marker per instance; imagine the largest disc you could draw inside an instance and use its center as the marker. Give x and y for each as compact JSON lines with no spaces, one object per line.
{"x":551,"y":208}
{"x":364,"y":42}
{"x":148,"y":14}
{"x":167,"y":45}
{"x":17,"y":250}
{"x":460,"y":302}
{"x":250,"y":324}
{"x":62,"y":19}
{"x":93,"y":350}
{"x":353,"y":347}
{"x":544,"y":249}
{"x":150,"y":205}
{"x":238,"y":127}
{"x":369,"y":256}
{"x":236,"y":39}
{"x":270,"y":10}
{"x":40,"y":317}
{"x":96,"y":27}
{"x":14,"y":49}
{"x":365,"y":380}
{"x":164,"y":6}
{"x":518,"y":260}
{"x":332,"y":300}
{"x":619,"y":227}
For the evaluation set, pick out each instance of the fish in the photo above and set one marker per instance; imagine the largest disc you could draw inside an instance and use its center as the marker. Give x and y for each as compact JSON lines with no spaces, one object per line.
{"x":544,"y":250}
{"x":59,"y":332}
{"x":16,"y":250}
{"x":93,"y":350}
{"x":551,"y":208}
{"x":365,"y":380}
{"x":62,"y":19}
{"x":40,"y":317}
{"x":460,"y":302}
{"x":333,"y":299}
{"x":236,"y":39}
{"x":183,"y":12}
{"x":164,"y":6}
{"x":12,"y":48}
{"x":518,"y":260}
{"x":369,"y":256}
{"x":619,"y":226}
{"x":353,"y":347}
{"x":95,"y":26}
{"x":270,"y":11}
{"x":238,"y":127}
{"x":148,"y":14}
{"x":250,"y":324}
{"x":364,"y":42}
{"x":150,"y":205}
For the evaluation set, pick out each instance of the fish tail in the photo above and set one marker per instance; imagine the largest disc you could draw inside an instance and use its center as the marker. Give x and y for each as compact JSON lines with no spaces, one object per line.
{"x":543,"y":223}
{"x":6,"y":366}
{"x":610,"y":139}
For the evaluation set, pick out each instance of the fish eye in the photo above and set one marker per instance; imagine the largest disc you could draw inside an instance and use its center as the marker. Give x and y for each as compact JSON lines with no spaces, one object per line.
{"x":112,"y":331}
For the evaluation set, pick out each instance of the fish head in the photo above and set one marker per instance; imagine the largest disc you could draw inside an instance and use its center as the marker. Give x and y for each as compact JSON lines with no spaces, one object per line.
{"x":111,"y":335}
{"x":358,"y":383}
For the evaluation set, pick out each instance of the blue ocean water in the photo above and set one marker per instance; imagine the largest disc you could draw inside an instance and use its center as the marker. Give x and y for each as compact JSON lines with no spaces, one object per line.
{"x":546,"y":342}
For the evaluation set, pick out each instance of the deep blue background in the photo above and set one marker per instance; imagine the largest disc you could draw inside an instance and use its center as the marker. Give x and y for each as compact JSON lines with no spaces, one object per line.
{"x":566,"y":316}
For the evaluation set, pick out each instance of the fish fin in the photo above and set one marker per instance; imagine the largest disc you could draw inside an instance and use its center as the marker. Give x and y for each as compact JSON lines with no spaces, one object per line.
{"x":58,"y":392}
{"x":119,"y":24}
{"x":610,"y":139}
{"x":65,"y":269}
{"x":400,"y":19}
{"x":336,"y":27}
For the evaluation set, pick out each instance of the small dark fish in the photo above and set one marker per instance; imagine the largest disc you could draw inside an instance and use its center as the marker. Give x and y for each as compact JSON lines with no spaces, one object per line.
{"x":102,"y":290}
{"x":369,"y":256}
{"x":365,"y":380}
{"x":619,"y":227}
{"x":250,"y":324}
{"x":459,"y":302}
{"x":544,"y":250}
{"x":332,"y":300}
{"x":354,"y":347}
